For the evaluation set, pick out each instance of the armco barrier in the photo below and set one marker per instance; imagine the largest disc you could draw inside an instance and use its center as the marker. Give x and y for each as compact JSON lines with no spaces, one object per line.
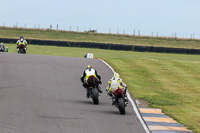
{"x":106,"y":46}
{"x":166,"y":50}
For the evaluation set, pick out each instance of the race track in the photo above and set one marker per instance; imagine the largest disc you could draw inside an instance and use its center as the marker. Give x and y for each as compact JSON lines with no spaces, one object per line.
{"x":43,"y":94}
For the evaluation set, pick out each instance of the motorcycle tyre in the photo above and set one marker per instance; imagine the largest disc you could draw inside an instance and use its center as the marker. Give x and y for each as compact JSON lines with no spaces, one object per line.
{"x":22,"y":51}
{"x":121,"y":106}
{"x":95,"y":96}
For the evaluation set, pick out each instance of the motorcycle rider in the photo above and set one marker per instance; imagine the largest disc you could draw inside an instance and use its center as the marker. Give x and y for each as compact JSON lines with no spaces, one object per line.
{"x":21,"y":41}
{"x":86,"y":74}
{"x":2,"y":48}
{"x":114,"y":83}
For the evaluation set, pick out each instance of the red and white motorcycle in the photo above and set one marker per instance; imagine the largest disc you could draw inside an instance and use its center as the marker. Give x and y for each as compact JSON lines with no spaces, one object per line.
{"x":119,"y":99}
{"x":21,"y":49}
{"x":92,"y":89}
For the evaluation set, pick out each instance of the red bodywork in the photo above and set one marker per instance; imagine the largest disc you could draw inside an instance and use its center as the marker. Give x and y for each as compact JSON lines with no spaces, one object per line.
{"x":93,"y":84}
{"x":118,"y":92}
{"x":22,"y":46}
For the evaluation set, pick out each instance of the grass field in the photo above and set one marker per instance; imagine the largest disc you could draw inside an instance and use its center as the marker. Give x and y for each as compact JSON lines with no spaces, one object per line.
{"x":98,"y":38}
{"x":167,"y":81}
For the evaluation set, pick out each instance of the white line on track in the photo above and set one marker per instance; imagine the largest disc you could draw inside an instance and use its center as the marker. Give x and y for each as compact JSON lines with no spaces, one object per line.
{"x":133,"y":103}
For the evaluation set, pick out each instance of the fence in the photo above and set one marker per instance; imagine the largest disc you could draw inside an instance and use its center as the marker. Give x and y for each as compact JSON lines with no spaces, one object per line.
{"x":134,"y":32}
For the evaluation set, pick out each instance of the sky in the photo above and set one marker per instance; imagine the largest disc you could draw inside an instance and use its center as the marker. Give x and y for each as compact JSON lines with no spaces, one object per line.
{"x":147,"y":17}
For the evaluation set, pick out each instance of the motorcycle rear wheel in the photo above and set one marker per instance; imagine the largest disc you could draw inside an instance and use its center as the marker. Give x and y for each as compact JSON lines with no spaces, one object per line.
{"x":95,"y":96}
{"x":121,"y":106}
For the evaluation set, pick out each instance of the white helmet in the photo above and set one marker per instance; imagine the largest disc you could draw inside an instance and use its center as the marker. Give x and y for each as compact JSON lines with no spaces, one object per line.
{"x":116,"y":75}
{"x":21,"y":38}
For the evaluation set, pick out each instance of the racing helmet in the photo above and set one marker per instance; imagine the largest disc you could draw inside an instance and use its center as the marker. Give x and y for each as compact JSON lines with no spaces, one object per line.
{"x":116,"y":75}
{"x":21,"y":38}
{"x":89,"y":67}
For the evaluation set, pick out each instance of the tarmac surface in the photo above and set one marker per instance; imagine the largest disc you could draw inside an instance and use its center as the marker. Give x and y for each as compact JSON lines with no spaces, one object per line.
{"x":44,"y":94}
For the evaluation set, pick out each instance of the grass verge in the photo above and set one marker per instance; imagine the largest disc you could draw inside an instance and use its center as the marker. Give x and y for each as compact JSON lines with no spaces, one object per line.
{"x":167,"y":81}
{"x":6,"y":32}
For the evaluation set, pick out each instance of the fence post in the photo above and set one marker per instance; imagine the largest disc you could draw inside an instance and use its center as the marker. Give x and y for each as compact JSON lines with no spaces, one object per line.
{"x":57,"y":27}
{"x":133,"y":32}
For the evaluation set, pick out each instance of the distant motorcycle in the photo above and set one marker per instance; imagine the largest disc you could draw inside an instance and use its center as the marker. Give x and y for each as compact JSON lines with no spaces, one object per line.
{"x":119,"y":100}
{"x":21,"y":49}
{"x":1,"y":49}
{"x":6,"y":49}
{"x":92,"y":88}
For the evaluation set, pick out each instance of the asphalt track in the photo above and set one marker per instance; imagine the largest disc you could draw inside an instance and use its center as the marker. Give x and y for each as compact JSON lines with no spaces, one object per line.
{"x":43,"y":94}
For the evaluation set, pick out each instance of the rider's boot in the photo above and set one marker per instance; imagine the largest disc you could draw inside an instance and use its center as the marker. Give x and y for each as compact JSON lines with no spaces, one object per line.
{"x":99,"y":88}
{"x":88,"y":94}
{"x":113,"y":101}
{"x":84,"y":85}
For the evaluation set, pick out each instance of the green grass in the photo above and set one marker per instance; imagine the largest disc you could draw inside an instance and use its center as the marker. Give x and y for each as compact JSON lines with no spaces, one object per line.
{"x":98,"y":38}
{"x":167,"y":81}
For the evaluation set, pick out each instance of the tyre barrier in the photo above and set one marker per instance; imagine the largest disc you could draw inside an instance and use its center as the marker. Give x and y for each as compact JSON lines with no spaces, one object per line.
{"x":106,"y":46}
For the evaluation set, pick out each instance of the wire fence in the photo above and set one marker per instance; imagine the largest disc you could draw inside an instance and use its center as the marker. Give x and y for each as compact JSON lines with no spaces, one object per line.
{"x":134,"y":32}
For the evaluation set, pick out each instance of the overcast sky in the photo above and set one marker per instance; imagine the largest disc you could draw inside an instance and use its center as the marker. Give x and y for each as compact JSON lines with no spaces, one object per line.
{"x":166,"y":17}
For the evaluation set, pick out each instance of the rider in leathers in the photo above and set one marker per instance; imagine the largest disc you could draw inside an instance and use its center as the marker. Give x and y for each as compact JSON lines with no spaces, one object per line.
{"x":114,"y":83}
{"x":86,"y":74}
{"x":21,"y":41}
{"x":2,"y":48}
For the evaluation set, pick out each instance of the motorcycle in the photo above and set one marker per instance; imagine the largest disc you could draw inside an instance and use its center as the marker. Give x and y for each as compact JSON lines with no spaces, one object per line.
{"x":92,"y":89}
{"x":119,"y":100}
{"x":1,"y":49}
{"x":6,"y":49}
{"x":22,"y":49}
